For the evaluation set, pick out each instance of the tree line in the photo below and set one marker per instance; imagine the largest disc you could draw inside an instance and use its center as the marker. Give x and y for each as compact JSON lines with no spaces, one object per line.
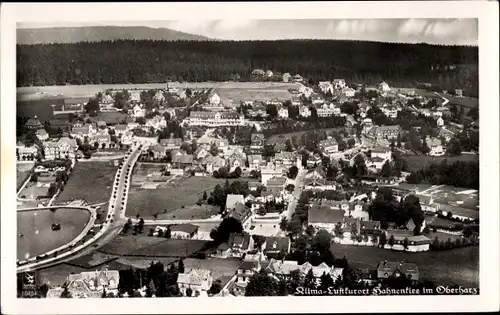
{"x":459,"y":174}
{"x":142,"y":61}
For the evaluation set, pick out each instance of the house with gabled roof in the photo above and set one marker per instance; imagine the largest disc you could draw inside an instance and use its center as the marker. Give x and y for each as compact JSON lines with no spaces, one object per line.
{"x":387,"y":269}
{"x":239,"y":244}
{"x":198,"y":280}
{"x":243,"y":214}
{"x":276,"y":245}
{"x":184,"y":231}
{"x":232,"y":200}
{"x":92,"y":284}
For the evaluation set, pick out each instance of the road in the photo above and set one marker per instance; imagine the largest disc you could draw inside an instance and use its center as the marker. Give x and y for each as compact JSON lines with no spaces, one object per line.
{"x":115,"y":219}
{"x":299,"y":187}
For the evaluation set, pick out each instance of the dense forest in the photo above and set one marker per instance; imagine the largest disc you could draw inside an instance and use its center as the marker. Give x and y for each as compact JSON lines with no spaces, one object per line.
{"x":141,"y":61}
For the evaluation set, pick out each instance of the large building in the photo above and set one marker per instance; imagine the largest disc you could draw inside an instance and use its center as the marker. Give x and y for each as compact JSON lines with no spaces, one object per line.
{"x":215,"y":119}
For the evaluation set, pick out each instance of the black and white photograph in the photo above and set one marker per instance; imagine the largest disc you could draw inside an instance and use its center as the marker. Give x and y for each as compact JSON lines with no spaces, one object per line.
{"x":240,"y":150}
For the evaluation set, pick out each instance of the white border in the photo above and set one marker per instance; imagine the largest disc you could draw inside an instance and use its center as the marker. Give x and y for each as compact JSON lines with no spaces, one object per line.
{"x":487,"y":12}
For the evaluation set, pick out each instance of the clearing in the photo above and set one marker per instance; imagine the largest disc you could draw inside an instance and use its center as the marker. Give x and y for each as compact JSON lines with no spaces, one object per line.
{"x":152,"y":246}
{"x":90,"y":181}
{"x":455,"y":266}
{"x":186,"y":192}
{"x":35,"y":235}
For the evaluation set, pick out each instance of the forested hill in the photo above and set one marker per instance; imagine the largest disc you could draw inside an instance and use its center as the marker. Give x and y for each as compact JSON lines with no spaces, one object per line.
{"x":129,"y":61}
{"x":61,"y":35}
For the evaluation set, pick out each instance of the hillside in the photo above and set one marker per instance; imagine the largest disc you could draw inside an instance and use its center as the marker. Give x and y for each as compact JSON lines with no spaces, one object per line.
{"x":59,"y":35}
{"x":400,"y":65}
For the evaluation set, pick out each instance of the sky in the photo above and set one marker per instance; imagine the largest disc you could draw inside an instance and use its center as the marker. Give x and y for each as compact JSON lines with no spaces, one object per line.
{"x":431,"y":31}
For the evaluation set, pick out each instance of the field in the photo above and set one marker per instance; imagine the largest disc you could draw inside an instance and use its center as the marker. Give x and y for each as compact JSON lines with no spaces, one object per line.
{"x":147,"y":202}
{"x":417,"y":162}
{"x":237,"y":95}
{"x":152,"y":246}
{"x":469,"y":102}
{"x":443,"y":236}
{"x":281,"y":138}
{"x":77,"y":91}
{"x":456,"y":266}
{"x":37,"y":236}
{"x":90,"y":181}
{"x":41,"y":108}
{"x":190,"y":212}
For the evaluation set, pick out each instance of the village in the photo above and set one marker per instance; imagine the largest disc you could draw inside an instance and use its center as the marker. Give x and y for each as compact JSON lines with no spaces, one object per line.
{"x":288,"y":179}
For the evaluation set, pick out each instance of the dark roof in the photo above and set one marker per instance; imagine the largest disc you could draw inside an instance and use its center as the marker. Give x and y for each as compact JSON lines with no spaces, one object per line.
{"x":277,"y":244}
{"x":241,"y":240}
{"x":185,"y":227}
{"x":241,"y":212}
{"x":248,"y":265}
{"x":184,"y":159}
{"x":325,"y":214}
{"x":390,"y":267}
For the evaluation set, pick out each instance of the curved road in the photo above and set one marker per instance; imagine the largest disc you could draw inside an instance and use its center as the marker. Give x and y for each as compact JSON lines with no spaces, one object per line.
{"x":115,"y":218}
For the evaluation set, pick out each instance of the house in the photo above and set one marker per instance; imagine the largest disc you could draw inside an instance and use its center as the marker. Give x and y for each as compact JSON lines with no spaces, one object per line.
{"x":390,"y":112}
{"x":287,"y":77}
{"x":232,"y":200}
{"x":184,"y":231}
{"x":349,"y":92}
{"x":120,"y":129}
{"x":104,"y":140}
{"x":282,"y":269}
{"x":286,"y":159}
{"x":42,"y":134}
{"x":381,"y":152}
{"x":157,"y":122}
{"x":214,"y":99}
{"x":329,"y":146}
{"x":388,"y":269}
{"x":90,"y":284}
{"x":239,"y":244}
{"x":159,"y":151}
{"x":384,"y":87}
{"x":159,"y":96}
{"x":255,"y":161}
{"x":283,"y":112}
{"x":339,"y":84}
{"x":323,"y":217}
{"x":127,"y":138}
{"x":410,"y":225}
{"x":24,"y":152}
{"x":375,"y":163}
{"x":459,"y":93}
{"x":182,"y":160}
{"x":269,"y":73}
{"x":317,"y":99}
{"x":106,"y":103}
{"x":134,"y":95}
{"x":298,"y":78}
{"x":138,"y":111}
{"x":387,"y":132}
{"x":313,"y":160}
{"x":206,"y":142}
{"x":416,"y":243}
{"x":171,"y":143}
{"x":435,"y":146}
{"x":325,"y":86}
{"x":241,"y":213}
{"x":245,"y":271}
{"x":215,"y":119}
{"x":198,"y":280}
{"x":201,"y":153}
{"x":64,"y":148}
{"x":277,"y":245}
{"x":304,"y":111}
{"x":213,"y":163}
{"x":440,"y":122}
{"x":257,"y":141}
{"x":271,"y":171}
{"x":33,"y":124}
{"x":276,"y":184}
